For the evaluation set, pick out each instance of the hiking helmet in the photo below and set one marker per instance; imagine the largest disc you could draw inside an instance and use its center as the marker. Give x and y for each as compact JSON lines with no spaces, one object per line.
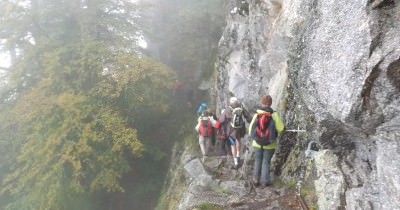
{"x":233,"y":101}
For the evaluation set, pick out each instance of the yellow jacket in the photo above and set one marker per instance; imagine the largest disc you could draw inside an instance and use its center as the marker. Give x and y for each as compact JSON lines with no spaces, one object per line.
{"x":279,"y":126}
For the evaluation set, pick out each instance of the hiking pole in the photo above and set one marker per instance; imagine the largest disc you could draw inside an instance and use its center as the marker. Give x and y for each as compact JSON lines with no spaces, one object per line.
{"x":301,"y":202}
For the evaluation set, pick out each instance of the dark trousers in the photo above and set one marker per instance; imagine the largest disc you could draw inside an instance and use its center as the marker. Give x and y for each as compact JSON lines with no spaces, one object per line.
{"x":224,"y":146}
{"x":262,"y":164}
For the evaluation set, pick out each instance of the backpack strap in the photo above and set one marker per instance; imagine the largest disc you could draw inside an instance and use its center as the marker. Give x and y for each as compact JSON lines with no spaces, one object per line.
{"x":266,"y":109}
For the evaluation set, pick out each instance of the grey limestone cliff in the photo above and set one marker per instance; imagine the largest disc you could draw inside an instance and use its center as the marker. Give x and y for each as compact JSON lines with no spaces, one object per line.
{"x":332,"y":68}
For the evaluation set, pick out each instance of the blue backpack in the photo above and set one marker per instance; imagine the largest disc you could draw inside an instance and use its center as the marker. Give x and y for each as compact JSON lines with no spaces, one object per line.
{"x":202,"y":107}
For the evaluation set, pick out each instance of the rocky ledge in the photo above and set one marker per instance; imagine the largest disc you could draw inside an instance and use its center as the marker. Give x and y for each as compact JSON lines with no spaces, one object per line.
{"x":212,"y":183}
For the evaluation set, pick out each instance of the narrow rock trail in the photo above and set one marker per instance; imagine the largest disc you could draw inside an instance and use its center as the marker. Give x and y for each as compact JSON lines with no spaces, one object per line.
{"x":270,"y":197}
{"x":214,"y":183}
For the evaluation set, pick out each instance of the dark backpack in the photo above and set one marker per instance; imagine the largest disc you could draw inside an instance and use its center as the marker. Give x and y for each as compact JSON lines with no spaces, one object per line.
{"x":265,"y":132}
{"x":206,"y":129}
{"x":222,"y":132}
{"x":237,"y":117}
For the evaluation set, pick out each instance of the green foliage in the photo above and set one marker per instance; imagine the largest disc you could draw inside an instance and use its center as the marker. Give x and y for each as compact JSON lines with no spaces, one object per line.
{"x":289,"y":183}
{"x":307,"y":192}
{"x":223,"y":191}
{"x":143,"y":86}
{"x":76,"y":138}
{"x":8,"y":140}
{"x":210,"y":206}
{"x":70,"y":144}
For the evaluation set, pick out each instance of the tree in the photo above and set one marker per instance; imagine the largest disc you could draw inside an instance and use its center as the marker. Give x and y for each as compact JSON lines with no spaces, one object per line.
{"x":72,"y":147}
{"x":74,"y":91}
{"x":33,"y":27}
{"x":76,"y":136}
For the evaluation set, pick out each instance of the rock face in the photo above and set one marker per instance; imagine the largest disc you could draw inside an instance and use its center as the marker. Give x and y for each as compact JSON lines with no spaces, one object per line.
{"x":332,"y":68}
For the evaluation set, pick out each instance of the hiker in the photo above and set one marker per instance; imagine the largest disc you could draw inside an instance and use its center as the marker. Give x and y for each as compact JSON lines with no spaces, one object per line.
{"x":264,"y":130}
{"x":211,"y":113}
{"x":202,"y":107}
{"x":205,"y":128}
{"x":222,"y":135}
{"x":233,"y":117}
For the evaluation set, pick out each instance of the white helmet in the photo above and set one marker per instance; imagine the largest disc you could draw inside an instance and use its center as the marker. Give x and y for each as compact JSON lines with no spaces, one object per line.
{"x":233,"y":100}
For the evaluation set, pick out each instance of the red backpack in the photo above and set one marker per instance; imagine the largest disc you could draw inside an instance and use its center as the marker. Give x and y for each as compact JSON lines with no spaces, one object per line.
{"x":265,"y":132}
{"x":206,"y":129}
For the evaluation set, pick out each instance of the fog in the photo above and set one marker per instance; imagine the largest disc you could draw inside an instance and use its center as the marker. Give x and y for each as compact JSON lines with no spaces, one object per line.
{"x":75,"y":137}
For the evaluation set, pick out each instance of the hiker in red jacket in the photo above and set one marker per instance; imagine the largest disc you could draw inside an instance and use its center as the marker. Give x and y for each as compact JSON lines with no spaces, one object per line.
{"x":205,"y":128}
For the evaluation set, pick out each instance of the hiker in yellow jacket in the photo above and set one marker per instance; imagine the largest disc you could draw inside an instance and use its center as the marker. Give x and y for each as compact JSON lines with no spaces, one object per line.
{"x":264,"y":129}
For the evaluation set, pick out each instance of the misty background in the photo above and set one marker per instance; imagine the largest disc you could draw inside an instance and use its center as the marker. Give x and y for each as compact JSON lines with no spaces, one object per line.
{"x":94,"y":96}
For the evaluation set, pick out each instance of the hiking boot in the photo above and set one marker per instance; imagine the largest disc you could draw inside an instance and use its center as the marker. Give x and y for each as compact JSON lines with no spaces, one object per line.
{"x":235,"y":166}
{"x":256,"y":183}
{"x":204,"y":158}
{"x":264,"y":185}
{"x":235,"y":161}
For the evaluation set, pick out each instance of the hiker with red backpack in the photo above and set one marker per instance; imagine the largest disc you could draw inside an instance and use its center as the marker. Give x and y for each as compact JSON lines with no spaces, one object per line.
{"x":264,"y":129}
{"x":212,"y":114}
{"x":233,"y":118}
{"x":205,"y":128}
{"x":222,"y":135}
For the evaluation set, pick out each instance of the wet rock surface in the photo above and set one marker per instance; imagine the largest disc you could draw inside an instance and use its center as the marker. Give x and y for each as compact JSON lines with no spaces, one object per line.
{"x":230,"y":188}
